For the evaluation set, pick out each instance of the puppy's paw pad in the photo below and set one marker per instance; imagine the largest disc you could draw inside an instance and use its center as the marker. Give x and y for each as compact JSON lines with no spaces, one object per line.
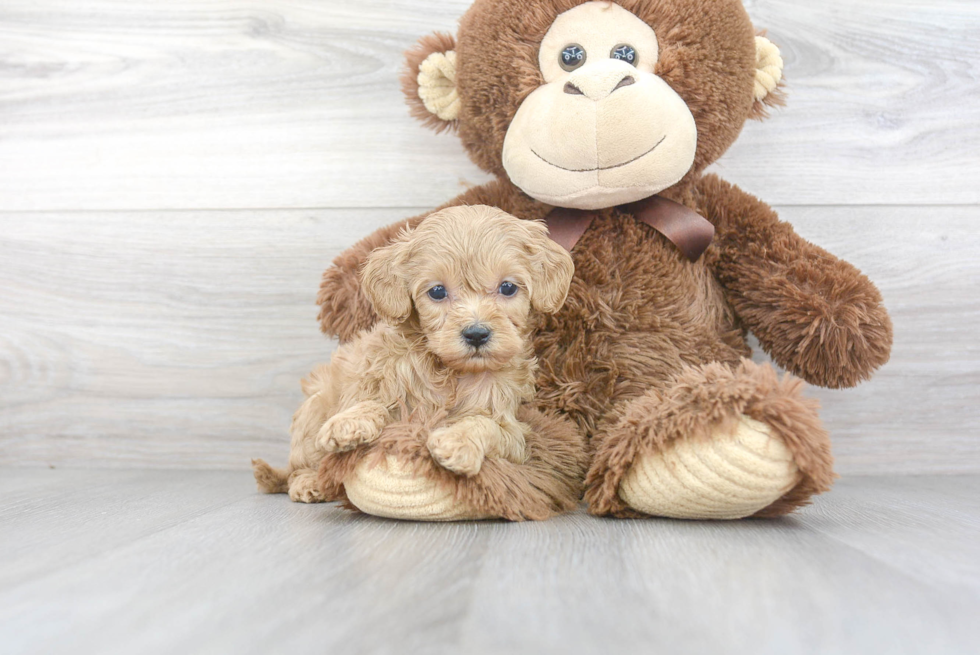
{"x":456,"y":454}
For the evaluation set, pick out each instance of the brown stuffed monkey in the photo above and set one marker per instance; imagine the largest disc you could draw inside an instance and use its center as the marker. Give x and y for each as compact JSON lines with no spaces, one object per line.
{"x":600,"y":118}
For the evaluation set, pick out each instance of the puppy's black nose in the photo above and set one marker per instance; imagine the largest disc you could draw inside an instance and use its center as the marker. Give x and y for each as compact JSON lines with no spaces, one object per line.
{"x":476,"y":335}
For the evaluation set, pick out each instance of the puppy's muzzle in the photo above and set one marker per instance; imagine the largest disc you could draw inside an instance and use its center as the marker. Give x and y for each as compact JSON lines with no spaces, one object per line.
{"x":476,"y":335}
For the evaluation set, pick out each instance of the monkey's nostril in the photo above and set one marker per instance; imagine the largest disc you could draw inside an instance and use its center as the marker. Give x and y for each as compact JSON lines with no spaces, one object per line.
{"x":476,"y":335}
{"x":626,"y":81}
{"x":573,"y":90}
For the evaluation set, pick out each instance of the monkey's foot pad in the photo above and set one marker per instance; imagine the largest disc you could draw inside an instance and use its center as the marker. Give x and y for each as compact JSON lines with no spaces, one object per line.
{"x":734,"y":474}
{"x":392,"y":489}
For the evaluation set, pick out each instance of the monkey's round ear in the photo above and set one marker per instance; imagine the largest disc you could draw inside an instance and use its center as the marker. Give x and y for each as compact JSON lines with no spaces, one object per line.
{"x":768,"y":78}
{"x":429,"y":81}
{"x":383,"y":281}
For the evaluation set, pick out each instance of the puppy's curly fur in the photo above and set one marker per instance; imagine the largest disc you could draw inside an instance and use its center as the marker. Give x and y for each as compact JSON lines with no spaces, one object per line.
{"x":453,"y":354}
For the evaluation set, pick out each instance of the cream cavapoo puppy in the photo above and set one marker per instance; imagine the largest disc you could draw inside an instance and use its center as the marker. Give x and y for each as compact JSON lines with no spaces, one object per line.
{"x":452,"y":351}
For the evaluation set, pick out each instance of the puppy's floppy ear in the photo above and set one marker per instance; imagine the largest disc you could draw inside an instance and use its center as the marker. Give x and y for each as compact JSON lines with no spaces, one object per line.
{"x":551,"y":269}
{"x":384,"y":282}
{"x":429,"y":81}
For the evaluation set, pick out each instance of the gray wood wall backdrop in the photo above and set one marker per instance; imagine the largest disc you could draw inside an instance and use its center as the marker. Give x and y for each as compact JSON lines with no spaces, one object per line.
{"x":175,"y":176}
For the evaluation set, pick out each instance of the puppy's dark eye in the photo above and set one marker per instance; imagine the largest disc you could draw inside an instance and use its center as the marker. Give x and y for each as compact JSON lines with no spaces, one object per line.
{"x":624,"y":52}
{"x":508,"y":289}
{"x":438,"y":293}
{"x":572,"y":57}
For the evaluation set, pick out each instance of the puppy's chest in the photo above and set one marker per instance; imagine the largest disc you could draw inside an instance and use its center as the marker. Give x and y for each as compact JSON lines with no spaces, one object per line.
{"x":478,"y":393}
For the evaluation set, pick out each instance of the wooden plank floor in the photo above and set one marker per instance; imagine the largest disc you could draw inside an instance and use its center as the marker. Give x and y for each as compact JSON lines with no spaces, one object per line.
{"x":193,"y":562}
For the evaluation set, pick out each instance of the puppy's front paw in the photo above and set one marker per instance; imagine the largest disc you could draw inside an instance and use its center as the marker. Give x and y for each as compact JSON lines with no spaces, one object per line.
{"x":347,"y":430}
{"x":454,"y":450}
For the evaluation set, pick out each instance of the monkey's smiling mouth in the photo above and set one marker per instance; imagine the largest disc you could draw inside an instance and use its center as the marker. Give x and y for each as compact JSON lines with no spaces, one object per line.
{"x":600,"y":168}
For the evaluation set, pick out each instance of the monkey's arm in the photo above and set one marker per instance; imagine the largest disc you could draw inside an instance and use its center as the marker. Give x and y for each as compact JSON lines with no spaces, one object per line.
{"x":816,"y":315}
{"x":345,"y":310}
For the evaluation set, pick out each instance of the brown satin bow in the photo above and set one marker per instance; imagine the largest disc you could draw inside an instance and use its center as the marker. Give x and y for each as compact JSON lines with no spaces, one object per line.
{"x":684,"y":227}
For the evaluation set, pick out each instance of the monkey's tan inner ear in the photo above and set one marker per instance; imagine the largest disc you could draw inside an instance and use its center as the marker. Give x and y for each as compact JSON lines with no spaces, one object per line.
{"x":437,"y":85}
{"x":768,"y":68}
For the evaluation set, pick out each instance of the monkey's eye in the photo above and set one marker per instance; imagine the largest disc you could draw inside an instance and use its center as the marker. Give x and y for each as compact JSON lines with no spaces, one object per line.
{"x":624,"y":52}
{"x":572,"y":57}
{"x":508,"y":289}
{"x":438,"y":293}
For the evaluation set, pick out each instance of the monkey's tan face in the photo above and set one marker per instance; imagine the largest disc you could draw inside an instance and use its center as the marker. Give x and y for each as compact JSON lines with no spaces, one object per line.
{"x":604,"y":129}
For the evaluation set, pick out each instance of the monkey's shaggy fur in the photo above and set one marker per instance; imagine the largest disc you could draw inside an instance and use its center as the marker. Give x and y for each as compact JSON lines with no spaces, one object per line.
{"x":649,"y":347}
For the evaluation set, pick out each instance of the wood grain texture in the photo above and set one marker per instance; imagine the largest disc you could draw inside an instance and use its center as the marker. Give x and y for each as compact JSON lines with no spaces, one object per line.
{"x":182,"y":336}
{"x":177,"y":339}
{"x":198,"y":562}
{"x":209,"y":104}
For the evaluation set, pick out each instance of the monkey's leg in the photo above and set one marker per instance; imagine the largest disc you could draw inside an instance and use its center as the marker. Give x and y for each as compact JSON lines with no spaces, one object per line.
{"x":719,"y":443}
{"x":397,"y":477}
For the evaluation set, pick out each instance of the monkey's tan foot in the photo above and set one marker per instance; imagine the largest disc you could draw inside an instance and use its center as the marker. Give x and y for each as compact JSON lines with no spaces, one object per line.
{"x":722,"y":443}
{"x":459,"y":447}
{"x":352,"y":427}
{"x":397,"y":477}
{"x":304,"y":487}
{"x":732,"y":474}
{"x":393,"y":490}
